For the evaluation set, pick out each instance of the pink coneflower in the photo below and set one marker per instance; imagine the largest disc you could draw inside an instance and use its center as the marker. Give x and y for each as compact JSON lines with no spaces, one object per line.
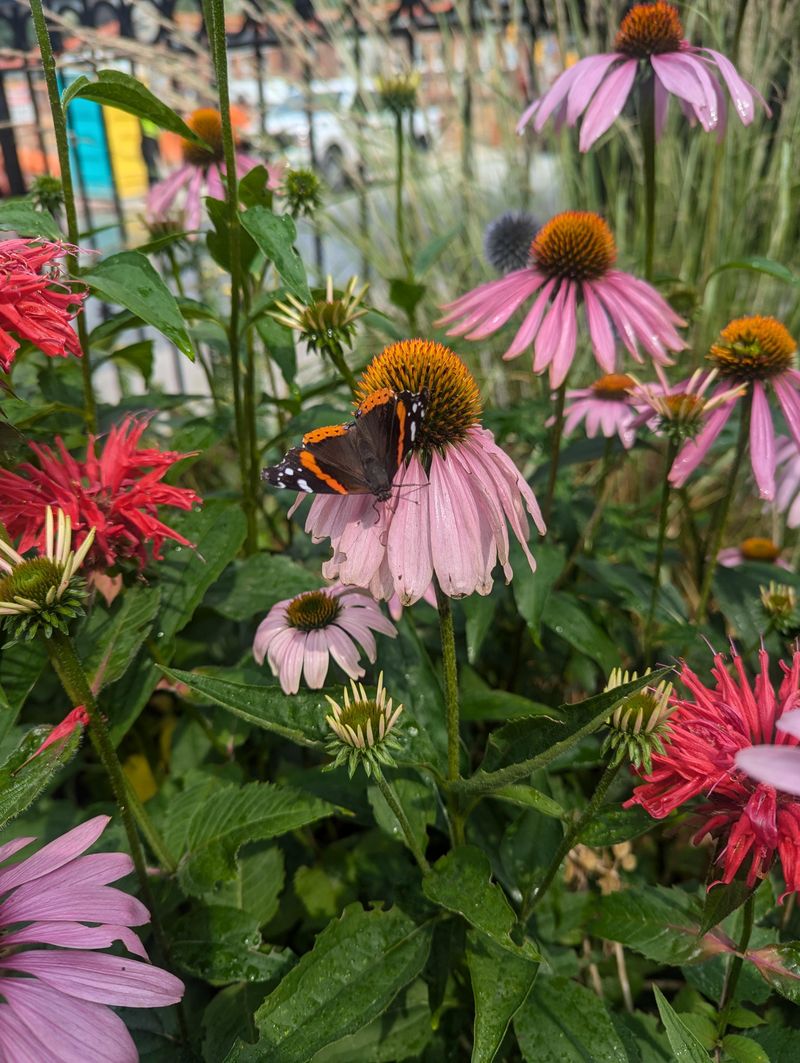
{"x":36,"y":305}
{"x":752,"y":549}
{"x":56,"y":1002}
{"x":708,"y":730}
{"x":751,"y":353}
{"x":681,"y":410}
{"x":448,"y":512}
{"x":605,"y":407}
{"x":202,"y":173}
{"x":777,"y":764}
{"x":571,"y":261}
{"x":787,"y":492}
{"x":650,"y":37}
{"x":300,"y":635}
{"x":117,"y":492}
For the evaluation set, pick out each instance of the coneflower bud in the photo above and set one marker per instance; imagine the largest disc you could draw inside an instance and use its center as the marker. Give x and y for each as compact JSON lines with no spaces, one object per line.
{"x":507,"y":240}
{"x":47,"y":193}
{"x":638,"y":725}
{"x":363,"y":728}
{"x":302,"y":190}
{"x":327,"y":325}
{"x":779,"y":602}
{"x":398,"y":93}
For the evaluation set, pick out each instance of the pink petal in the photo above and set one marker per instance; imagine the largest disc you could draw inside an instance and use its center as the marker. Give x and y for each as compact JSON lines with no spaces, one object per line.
{"x":548,"y":336}
{"x":482,"y":300}
{"x":565,"y":349}
{"x":777,"y":766}
{"x":594,"y":70}
{"x":162,"y":195}
{"x":556,"y":94}
{"x":599,"y":329}
{"x":694,"y":450}
{"x":76,"y":936}
{"x":530,"y":324}
{"x":789,"y":399}
{"x":193,"y":206}
{"x":315,"y":659}
{"x":503,"y":311}
{"x":526,"y":115}
{"x":408,"y":549}
{"x":789,"y":723}
{"x":455,"y":532}
{"x":607,"y":104}
{"x":762,"y":443}
{"x":740,"y":90}
{"x":18,"y":1043}
{"x":55,"y":854}
{"x":291,"y":663}
{"x":344,"y":652}
{"x":101,"y":978}
{"x":680,"y":75}
{"x":100,"y":904}
{"x":10,"y":848}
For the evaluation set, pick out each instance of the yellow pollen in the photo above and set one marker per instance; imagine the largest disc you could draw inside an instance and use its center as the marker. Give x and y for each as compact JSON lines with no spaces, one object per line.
{"x":453,"y":402}
{"x":753,"y":348}
{"x":649,"y":29}
{"x":576,"y":244}
{"x":757,"y":549}
{"x":613,"y":386}
{"x":207,"y":123}
{"x":312,"y":610}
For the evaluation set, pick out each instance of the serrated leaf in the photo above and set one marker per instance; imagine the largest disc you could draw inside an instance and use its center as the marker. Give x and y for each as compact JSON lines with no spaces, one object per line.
{"x":400,"y":1033}
{"x":21,"y":782}
{"x":501,"y":983}
{"x":721,"y":901}
{"x":529,"y":797}
{"x":257,"y":886}
{"x":684,"y":1044}
{"x":115,"y":88}
{"x":779,"y":965}
{"x":461,"y":881}
{"x":22,"y":217}
{"x":563,"y":1022}
{"x":614,"y":825}
{"x":275,"y":235}
{"x":111,"y":636}
{"x":129,"y":280}
{"x":222,"y":945}
{"x":358,"y":965}
{"x":744,"y":1049}
{"x":255,"y":584}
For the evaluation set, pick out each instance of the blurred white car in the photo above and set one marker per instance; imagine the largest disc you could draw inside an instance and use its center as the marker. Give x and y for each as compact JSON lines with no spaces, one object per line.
{"x":333,"y":106}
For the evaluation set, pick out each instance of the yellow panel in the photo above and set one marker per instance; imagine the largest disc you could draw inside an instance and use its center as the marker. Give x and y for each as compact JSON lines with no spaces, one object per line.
{"x":124,"y":142}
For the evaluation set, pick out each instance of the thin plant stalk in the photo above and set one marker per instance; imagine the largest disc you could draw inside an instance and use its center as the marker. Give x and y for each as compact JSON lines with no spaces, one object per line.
{"x":720,"y":521}
{"x":555,"y":452}
{"x":70,"y":209}
{"x":450,"y":672}
{"x":399,"y":188}
{"x":735,"y":967}
{"x":602,"y":490}
{"x":647,"y":120}
{"x":393,"y":802}
{"x":663,"y":512}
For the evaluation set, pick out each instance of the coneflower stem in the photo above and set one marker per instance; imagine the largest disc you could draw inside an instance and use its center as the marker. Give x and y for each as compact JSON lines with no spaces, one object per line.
{"x":399,"y":188}
{"x":343,"y":369}
{"x":555,"y":452}
{"x":450,"y":673}
{"x":663,"y":511}
{"x":647,"y":121}
{"x":735,"y":966}
{"x":570,"y":839}
{"x":76,"y":685}
{"x":393,"y":802}
{"x":70,"y":210}
{"x":720,"y":521}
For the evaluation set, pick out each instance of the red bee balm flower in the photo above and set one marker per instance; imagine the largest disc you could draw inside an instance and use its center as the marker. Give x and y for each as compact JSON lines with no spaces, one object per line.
{"x":117,"y":492}
{"x":34,"y":305}
{"x":707,"y":730}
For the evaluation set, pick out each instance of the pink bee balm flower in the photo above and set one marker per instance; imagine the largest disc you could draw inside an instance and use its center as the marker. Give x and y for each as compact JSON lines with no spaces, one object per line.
{"x":650,"y":36}
{"x":202,"y":173}
{"x":36,"y":305}
{"x":117,"y":492}
{"x":751,"y":353}
{"x":778,"y":764}
{"x":300,"y":635}
{"x":752,"y":549}
{"x":787,"y":494}
{"x":451,"y":501}
{"x":709,"y":729}
{"x":571,"y":262}
{"x":55,"y":1002}
{"x":605,"y":407}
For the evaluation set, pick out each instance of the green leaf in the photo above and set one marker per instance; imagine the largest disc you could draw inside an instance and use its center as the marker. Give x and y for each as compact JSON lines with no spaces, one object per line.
{"x":613,"y":825}
{"x":418,"y":801}
{"x":663,"y":924}
{"x":568,"y":618}
{"x":684,"y":1044}
{"x":138,"y":356}
{"x":20,"y":666}
{"x":721,"y":901}
{"x":114,"y":88}
{"x":743,"y":1049}
{"x":400,"y":1033}
{"x":405,"y":294}
{"x":21,"y":216}
{"x":111,"y":636}
{"x":358,"y":965}
{"x":563,"y":1022}
{"x":253,"y":189}
{"x":129,"y":280}
{"x":257,"y":886}
{"x":479,"y":611}
{"x":529,"y":797}
{"x":223,"y":945}
{"x":431,"y":252}
{"x":461,"y":882}
{"x":279,"y":343}
{"x":275,"y":235}
{"x":228,"y":818}
{"x":758,"y":264}
{"x":532,"y":589}
{"x":257,"y":583}
{"x":21,"y":782}
{"x":500,"y":984}
{"x":779,"y":965}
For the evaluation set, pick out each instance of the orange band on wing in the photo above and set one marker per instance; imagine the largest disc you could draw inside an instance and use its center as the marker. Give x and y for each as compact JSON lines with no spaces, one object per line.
{"x":377,"y":398}
{"x":308,"y":461}
{"x":316,"y":435}
{"x":400,"y":414}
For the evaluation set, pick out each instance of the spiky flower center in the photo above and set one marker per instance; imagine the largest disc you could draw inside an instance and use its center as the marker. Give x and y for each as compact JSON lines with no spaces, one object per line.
{"x":779,"y":600}
{"x":649,"y":29}
{"x":453,"y":400}
{"x":683,"y":406}
{"x":758,"y":549}
{"x":33,"y":580}
{"x":753,"y":348}
{"x":507,"y":240}
{"x":576,"y":244}
{"x":613,"y":386}
{"x":313,"y":610}
{"x":358,"y":714}
{"x":303,"y":192}
{"x":398,"y":93}
{"x":207,"y":123}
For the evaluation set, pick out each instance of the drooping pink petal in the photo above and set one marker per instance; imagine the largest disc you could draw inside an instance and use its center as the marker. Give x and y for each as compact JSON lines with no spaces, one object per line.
{"x":762,"y":443}
{"x":583,"y":88}
{"x":9,"y":848}
{"x":548,"y":336}
{"x":565,"y":348}
{"x":75,"y":936}
{"x":599,"y":329}
{"x":408,"y":548}
{"x":315,"y":659}
{"x":162,"y":195}
{"x":685,"y":77}
{"x":789,"y":399}
{"x":344,"y":652}
{"x":778,"y":766}
{"x":55,"y":854}
{"x":503,"y":312}
{"x":530,"y":324}
{"x":102,"y":904}
{"x":476,"y":304}
{"x":741,"y":91}
{"x":607,"y":104}
{"x":557,"y":94}
{"x":455,"y":537}
{"x":100,"y":977}
{"x":694,"y":451}
{"x":789,"y":723}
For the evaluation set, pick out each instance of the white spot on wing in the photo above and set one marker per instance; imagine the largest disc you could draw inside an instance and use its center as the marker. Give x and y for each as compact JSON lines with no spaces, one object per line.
{"x":303,"y":485}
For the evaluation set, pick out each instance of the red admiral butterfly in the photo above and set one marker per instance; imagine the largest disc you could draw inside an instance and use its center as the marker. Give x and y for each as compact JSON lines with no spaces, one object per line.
{"x":357,"y":458}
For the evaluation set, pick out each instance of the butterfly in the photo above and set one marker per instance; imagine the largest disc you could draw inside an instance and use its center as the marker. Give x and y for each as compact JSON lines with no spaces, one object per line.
{"x":357,"y":458}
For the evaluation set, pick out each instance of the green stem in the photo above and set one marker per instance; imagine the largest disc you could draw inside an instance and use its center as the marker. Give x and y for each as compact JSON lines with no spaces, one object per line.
{"x":647,"y":121}
{"x":214,"y":11}
{"x":394,"y":803}
{"x":450,"y":672}
{"x":399,"y":185}
{"x":70,"y":210}
{"x":602,"y":490}
{"x":571,"y":837}
{"x":555,"y":452}
{"x":735,"y":967}
{"x":672,"y":450}
{"x":337,"y":357}
{"x":717,"y":531}
{"x":76,"y":685}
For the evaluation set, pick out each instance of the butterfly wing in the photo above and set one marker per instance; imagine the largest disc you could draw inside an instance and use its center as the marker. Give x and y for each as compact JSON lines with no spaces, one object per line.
{"x":387,"y":423}
{"x":327,"y":462}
